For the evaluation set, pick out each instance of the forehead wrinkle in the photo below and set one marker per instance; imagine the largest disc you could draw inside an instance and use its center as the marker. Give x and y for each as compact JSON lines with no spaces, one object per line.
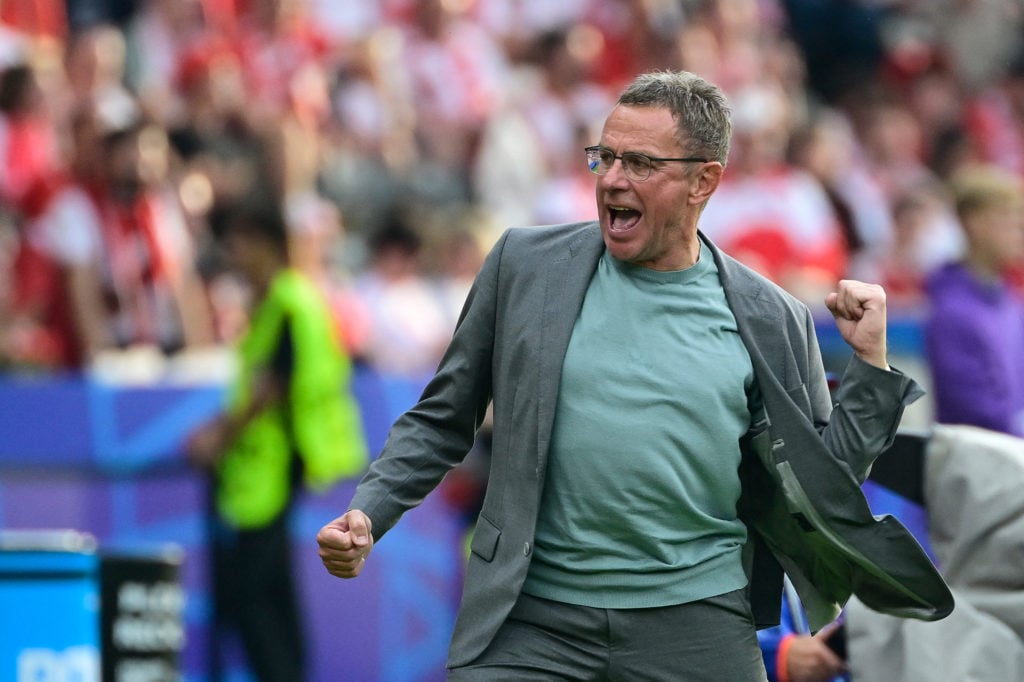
{"x":631,"y":129}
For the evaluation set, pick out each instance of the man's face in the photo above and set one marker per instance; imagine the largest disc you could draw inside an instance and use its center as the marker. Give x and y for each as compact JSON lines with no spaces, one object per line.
{"x":650,"y":223}
{"x":998,"y":234}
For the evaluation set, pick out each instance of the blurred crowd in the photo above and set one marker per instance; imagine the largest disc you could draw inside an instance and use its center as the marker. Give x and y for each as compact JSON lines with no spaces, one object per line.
{"x":398,"y":137}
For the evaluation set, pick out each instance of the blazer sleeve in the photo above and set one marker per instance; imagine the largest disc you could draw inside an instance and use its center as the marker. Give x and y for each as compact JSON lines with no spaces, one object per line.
{"x":436,"y":434}
{"x":869,"y":406}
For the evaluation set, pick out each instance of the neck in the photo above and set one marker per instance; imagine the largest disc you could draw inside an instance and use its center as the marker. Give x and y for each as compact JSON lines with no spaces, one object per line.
{"x":983,"y":268}
{"x":262,"y":277}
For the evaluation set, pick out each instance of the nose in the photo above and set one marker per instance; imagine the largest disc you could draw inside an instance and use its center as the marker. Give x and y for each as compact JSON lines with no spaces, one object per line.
{"x":615,"y":176}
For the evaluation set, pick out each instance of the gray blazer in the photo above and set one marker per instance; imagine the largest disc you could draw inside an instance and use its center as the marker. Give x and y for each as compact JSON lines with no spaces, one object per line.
{"x":803,"y":461}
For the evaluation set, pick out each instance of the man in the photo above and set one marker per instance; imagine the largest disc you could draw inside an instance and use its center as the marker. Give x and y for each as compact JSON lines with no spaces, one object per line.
{"x":117,"y":231}
{"x":290,"y":422}
{"x":974,"y":333}
{"x":662,"y":447}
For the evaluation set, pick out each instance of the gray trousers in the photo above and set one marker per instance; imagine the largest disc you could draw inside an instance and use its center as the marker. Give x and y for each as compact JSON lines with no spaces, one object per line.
{"x":712,"y":640}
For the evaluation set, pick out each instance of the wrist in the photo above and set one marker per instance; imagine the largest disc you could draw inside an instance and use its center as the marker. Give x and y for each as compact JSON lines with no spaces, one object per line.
{"x":878,"y":360}
{"x":782,"y":658}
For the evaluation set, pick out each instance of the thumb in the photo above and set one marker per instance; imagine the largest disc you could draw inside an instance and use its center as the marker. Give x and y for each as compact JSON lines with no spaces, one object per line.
{"x":826,"y":632}
{"x":359,"y":528}
{"x":831,"y":300}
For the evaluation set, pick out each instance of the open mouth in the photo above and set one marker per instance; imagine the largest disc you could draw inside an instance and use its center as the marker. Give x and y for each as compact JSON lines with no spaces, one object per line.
{"x":622,"y":219}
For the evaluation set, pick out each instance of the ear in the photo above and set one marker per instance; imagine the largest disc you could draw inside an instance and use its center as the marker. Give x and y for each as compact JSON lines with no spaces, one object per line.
{"x":705,"y":182}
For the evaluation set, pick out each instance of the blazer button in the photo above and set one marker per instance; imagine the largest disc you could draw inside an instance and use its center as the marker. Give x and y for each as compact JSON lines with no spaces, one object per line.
{"x":526,"y":549}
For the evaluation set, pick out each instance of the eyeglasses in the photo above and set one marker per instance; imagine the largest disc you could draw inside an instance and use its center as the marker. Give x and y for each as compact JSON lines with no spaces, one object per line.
{"x":637,"y":166}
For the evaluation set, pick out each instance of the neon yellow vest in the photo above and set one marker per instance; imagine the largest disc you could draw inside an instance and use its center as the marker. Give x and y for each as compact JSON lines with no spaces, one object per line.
{"x":319,"y":421}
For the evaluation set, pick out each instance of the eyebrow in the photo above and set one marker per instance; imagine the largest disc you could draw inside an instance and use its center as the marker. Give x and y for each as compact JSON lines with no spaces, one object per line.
{"x":688,"y":159}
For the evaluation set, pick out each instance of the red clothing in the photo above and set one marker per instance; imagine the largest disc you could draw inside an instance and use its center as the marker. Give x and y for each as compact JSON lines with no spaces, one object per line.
{"x":35,"y":17}
{"x":138,"y":252}
{"x":271,"y":60}
{"x":39,"y":296}
{"x":28,"y":156}
{"x":996,"y":133}
{"x":141,"y":262}
{"x":777,"y":221}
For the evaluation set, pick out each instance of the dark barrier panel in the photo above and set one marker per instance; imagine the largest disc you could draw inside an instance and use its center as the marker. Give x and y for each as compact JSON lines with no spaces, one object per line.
{"x":141,"y":615}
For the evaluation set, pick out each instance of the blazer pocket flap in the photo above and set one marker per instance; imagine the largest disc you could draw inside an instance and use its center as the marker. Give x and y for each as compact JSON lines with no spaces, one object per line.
{"x":485,"y":539}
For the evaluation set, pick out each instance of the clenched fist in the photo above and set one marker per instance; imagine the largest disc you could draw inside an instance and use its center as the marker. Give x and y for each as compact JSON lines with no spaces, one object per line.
{"x":859,"y":311}
{"x":345,"y":543}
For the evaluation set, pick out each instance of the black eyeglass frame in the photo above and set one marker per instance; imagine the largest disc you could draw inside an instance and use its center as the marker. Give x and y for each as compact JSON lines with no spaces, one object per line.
{"x":595,"y":165}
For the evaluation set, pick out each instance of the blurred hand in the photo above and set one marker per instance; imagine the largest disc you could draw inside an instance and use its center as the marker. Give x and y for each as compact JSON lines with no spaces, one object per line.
{"x":859,"y":311}
{"x":811,"y":660}
{"x":206,"y":444}
{"x":345,"y":543}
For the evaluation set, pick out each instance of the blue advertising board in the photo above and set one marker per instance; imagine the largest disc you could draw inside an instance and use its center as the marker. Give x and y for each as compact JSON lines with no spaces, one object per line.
{"x":49,"y":621}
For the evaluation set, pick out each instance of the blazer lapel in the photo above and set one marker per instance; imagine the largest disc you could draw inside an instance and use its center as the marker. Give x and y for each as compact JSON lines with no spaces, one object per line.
{"x":567,"y":278}
{"x":758,"y":327}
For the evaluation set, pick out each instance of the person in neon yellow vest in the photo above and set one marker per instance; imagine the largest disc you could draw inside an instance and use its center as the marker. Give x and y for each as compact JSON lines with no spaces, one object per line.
{"x":290,"y":422}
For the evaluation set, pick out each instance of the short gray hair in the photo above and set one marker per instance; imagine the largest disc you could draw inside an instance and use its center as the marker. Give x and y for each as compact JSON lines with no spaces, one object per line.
{"x":699,"y":108}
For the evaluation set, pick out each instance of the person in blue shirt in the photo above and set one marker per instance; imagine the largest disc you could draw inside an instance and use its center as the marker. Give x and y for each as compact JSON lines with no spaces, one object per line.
{"x":792,"y":654}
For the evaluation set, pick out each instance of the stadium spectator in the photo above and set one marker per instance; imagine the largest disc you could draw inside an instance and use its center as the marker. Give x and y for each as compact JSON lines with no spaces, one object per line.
{"x":29,"y":143}
{"x":826,"y":147}
{"x":974,"y":334}
{"x":547,"y":119}
{"x":95,"y":64}
{"x":455,"y":74}
{"x":994,"y":118}
{"x":917,"y":215}
{"x":274,"y":41}
{"x":158,"y":37}
{"x":122,"y":241}
{"x":408,"y":325}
